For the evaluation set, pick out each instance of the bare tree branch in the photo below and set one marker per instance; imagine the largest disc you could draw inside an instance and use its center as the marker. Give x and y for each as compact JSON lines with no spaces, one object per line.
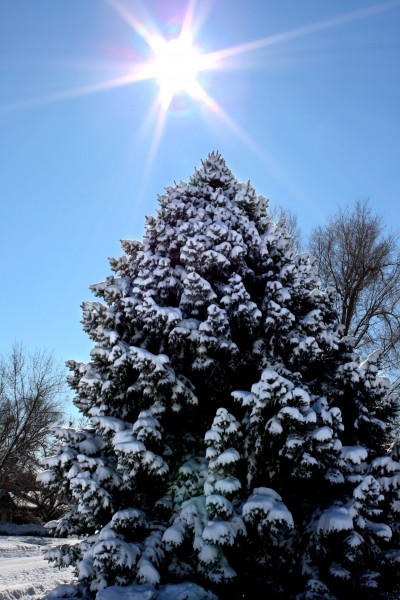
{"x":291,"y":223}
{"x":360,"y":259}
{"x":32,"y":391}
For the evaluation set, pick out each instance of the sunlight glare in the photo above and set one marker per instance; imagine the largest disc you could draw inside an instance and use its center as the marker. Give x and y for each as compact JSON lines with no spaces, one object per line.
{"x":175,"y":67}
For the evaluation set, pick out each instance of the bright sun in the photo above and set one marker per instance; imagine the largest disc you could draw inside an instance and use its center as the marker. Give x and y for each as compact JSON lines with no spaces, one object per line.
{"x":175,"y":67}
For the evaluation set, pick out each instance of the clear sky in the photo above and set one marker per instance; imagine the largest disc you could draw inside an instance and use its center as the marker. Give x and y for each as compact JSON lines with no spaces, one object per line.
{"x":302,"y":98}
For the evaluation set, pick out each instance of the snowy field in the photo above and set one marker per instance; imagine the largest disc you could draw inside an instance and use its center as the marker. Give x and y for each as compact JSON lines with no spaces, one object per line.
{"x":24,"y":573}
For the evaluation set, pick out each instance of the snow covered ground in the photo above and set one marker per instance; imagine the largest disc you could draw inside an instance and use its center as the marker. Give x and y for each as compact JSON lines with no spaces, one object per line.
{"x":24,"y":573}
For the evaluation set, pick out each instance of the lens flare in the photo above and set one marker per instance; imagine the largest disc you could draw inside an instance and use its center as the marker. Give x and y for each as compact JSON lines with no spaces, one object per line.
{"x":175,"y":68}
{"x":175,"y":64}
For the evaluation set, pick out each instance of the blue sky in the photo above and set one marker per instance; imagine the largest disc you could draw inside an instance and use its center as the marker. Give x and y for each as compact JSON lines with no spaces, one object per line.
{"x":309,"y":113}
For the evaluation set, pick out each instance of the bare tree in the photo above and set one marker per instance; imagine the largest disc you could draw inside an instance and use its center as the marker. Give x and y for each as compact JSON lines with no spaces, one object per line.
{"x":291,"y":222}
{"x":358,"y":257}
{"x":32,"y":390}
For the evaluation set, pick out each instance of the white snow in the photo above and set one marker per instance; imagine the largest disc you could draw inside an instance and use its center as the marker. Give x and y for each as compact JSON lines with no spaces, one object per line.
{"x":323,"y":434}
{"x":337,"y":518}
{"x":174,"y":535}
{"x":131,"y":592}
{"x":266,"y":504}
{"x":45,"y":477}
{"x":292,"y":413}
{"x":182,"y":591}
{"x":24,"y":573}
{"x":125,"y":442}
{"x":209,"y":554}
{"x":227,"y":485}
{"x":219,"y":532}
{"x":354,"y":454}
{"x":380,"y":529}
{"x":274,"y":427}
{"x":227,"y":457}
{"x":110,"y":423}
{"x":223,"y":504}
{"x":386,"y":464}
{"x":147,"y":572}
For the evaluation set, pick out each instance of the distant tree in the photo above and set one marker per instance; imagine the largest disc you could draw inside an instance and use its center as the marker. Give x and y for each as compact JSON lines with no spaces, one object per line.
{"x":32,"y":391}
{"x":291,"y":223}
{"x":237,"y":447}
{"x":360,"y":259}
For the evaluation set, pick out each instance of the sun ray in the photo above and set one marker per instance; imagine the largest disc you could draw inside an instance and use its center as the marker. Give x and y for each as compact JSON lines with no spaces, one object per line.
{"x":272,"y":166}
{"x":135,"y":148}
{"x":186,"y":61}
{"x":154,"y":145}
{"x":138,"y":74}
{"x":215,"y":108}
{"x":169,"y":83}
{"x":146,"y":28}
{"x":189,"y":21}
{"x":214,"y":60}
{"x":206,"y":61}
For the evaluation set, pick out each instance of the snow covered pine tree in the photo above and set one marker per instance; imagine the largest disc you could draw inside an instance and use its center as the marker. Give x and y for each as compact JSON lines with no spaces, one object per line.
{"x":237,"y":448}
